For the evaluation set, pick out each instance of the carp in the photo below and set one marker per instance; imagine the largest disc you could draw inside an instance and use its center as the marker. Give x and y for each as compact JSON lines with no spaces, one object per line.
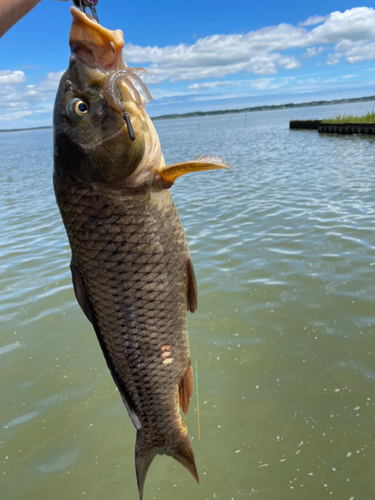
{"x":131,"y":269}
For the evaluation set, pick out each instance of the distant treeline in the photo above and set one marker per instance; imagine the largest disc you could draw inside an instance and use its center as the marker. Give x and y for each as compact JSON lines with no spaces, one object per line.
{"x":264,"y":108}
{"x":23,"y":129}
{"x":232,"y":111}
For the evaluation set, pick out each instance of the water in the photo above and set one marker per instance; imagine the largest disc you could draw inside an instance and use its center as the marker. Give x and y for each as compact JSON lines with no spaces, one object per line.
{"x":284,"y":251}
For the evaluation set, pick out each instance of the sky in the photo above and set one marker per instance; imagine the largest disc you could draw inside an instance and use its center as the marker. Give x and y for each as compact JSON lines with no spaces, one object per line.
{"x":202,"y":55}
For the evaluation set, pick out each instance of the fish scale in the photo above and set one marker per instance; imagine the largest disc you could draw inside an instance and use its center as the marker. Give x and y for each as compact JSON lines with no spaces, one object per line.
{"x":137,"y":307}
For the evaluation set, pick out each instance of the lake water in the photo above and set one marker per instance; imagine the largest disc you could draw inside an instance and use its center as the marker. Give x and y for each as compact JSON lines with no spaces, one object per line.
{"x":284,"y":251}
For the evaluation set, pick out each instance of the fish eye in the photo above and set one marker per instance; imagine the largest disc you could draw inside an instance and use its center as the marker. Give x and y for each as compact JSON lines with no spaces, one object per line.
{"x":81,"y":108}
{"x":77,"y":108}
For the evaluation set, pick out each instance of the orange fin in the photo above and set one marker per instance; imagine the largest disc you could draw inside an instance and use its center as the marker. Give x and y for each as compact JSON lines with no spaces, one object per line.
{"x":192,"y":292}
{"x":201,"y":163}
{"x":185,"y":389}
{"x":185,"y":455}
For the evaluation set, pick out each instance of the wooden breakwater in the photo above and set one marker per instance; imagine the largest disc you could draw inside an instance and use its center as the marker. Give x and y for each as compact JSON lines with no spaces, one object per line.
{"x":333,"y":128}
{"x":347,"y":128}
{"x":304,"y":124}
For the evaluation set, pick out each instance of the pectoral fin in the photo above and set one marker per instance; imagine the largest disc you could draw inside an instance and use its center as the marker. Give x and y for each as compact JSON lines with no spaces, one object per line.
{"x":201,"y":163}
{"x":83,"y":300}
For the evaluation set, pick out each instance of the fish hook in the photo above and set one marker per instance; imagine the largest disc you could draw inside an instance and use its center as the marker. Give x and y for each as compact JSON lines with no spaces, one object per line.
{"x":91,"y":4}
{"x":125,"y":115}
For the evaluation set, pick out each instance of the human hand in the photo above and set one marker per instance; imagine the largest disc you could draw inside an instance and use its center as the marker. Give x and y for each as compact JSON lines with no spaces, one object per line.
{"x":13,"y":11}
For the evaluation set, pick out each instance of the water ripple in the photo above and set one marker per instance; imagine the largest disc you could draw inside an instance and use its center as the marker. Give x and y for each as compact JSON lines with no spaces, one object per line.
{"x":283,"y":247}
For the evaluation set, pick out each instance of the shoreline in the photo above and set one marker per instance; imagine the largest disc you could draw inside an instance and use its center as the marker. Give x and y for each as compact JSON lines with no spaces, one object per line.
{"x":198,"y":114}
{"x":273,"y":107}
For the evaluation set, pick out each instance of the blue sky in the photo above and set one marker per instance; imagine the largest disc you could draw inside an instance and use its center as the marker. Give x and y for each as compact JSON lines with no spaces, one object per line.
{"x":201,"y":55}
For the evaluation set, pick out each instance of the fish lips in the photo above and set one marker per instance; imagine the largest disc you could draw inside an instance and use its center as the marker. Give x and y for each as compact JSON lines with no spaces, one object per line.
{"x":95,"y":46}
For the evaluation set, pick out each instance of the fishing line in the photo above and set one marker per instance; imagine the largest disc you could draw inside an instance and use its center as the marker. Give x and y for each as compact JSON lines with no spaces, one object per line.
{"x":196,"y":379}
{"x":197,"y":393}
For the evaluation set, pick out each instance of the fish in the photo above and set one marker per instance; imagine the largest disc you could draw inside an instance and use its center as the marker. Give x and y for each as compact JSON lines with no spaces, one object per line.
{"x":131,"y":269}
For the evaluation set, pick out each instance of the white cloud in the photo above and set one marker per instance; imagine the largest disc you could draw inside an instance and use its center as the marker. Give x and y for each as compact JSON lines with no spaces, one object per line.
{"x":18,"y":114}
{"x":261,"y":52}
{"x":313,"y":20}
{"x":352,"y":25}
{"x":219,"y":55}
{"x":51,"y":82}
{"x":209,"y":85}
{"x":255,"y":84}
{"x":8,"y":77}
{"x":18,"y":100}
{"x":332,"y":60}
{"x":355,"y":52}
{"x":235,"y":85}
{"x":312,"y":52}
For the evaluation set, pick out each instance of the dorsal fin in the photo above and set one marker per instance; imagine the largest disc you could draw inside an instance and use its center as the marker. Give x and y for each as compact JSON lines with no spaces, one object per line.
{"x":201,"y":163}
{"x":83,"y":300}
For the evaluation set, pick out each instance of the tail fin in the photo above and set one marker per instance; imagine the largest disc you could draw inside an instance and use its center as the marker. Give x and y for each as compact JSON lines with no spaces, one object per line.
{"x":142,"y":464}
{"x":184,"y":455}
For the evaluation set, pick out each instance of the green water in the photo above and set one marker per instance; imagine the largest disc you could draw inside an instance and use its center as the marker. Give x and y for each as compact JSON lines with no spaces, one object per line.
{"x":284,"y":251}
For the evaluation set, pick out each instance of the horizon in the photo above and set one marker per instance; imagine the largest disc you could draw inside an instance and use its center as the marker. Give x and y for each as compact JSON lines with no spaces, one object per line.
{"x":272,"y":107}
{"x":243,"y":56}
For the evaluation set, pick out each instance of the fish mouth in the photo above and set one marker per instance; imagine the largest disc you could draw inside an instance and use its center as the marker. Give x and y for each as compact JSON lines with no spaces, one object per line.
{"x":95,"y":46}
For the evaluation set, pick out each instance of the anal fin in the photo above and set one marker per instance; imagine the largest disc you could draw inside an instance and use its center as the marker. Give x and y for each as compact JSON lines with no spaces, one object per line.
{"x":185,"y":389}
